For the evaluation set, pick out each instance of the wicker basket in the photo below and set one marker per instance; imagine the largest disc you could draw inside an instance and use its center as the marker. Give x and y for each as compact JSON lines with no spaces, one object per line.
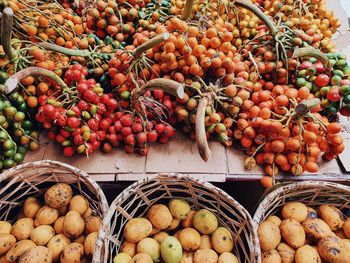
{"x":135,"y":200}
{"x":310,"y":193}
{"x":32,"y":179}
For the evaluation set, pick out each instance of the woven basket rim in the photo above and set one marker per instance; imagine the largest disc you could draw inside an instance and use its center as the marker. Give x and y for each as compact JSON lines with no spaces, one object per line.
{"x":260,"y":211}
{"x":125,"y":193}
{"x":57,"y":164}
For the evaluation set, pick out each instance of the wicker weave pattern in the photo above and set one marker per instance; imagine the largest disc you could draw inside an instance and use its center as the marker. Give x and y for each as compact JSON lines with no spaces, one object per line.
{"x":135,"y":200}
{"x":310,"y":193}
{"x":33,"y":179}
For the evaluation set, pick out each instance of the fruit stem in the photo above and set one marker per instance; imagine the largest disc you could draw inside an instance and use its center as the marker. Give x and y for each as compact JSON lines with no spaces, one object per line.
{"x":12,"y":82}
{"x":187,"y":10}
{"x":201,"y":135}
{"x":150,"y":44}
{"x":6,"y":32}
{"x":305,"y":106}
{"x":63,"y":50}
{"x":260,"y":14}
{"x":312,"y":52}
{"x":168,"y":86}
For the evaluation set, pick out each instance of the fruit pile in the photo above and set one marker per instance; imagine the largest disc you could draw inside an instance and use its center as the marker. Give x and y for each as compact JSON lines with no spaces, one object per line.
{"x":57,"y":227}
{"x":262,"y":76}
{"x":303,"y":234}
{"x":175,"y":233}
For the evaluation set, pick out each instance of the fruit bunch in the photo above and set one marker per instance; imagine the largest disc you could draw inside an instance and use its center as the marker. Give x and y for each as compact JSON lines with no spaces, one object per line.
{"x":45,"y":21}
{"x":114,"y":18}
{"x":314,"y":21}
{"x":176,"y":233}
{"x":332,"y":87}
{"x":279,"y":131}
{"x":17,"y":131}
{"x":77,"y":117}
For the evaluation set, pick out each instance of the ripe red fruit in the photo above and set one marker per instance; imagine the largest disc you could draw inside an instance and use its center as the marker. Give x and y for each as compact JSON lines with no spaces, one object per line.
{"x":76,"y":110}
{"x":112,"y":104}
{"x":93,"y":124}
{"x":107,"y":147}
{"x":101,"y":135}
{"x":49,"y":110}
{"x":82,"y":87}
{"x":333,"y":94}
{"x":64,"y":133}
{"x":104,"y":124}
{"x":128,"y":149}
{"x":78,"y":140}
{"x":118,"y":126}
{"x":152,"y":136}
{"x":322,"y":80}
{"x":126,"y":131}
{"x":144,"y":151}
{"x":130,"y":139}
{"x":160,"y":127}
{"x":93,"y":137}
{"x":169,"y":131}
{"x":141,"y":138}
{"x":158,"y":94}
{"x":60,"y":138}
{"x":126,"y":121}
{"x":73,"y":122}
{"x":168,"y":104}
{"x":51,"y":135}
{"x":91,"y":97}
{"x":68,"y":151}
{"x":136,"y":127}
{"x":89,"y":148}
{"x":96,"y":145}
{"x":163,"y":139}
{"x":83,"y":105}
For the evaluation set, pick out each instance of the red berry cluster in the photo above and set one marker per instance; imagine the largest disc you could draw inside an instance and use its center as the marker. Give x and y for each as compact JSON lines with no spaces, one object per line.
{"x":92,"y":119}
{"x":84,"y":125}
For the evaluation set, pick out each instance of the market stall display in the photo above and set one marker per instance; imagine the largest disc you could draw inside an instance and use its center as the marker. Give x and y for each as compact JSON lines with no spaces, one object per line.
{"x":141,"y":211}
{"x":50,"y":212}
{"x":250,"y":74}
{"x":304,"y":221}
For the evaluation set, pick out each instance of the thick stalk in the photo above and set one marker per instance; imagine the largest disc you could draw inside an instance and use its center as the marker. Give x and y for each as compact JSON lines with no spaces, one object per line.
{"x":201,"y":134}
{"x":246,"y":4}
{"x":168,"y":86}
{"x":187,"y":10}
{"x":6,"y":32}
{"x":312,"y":52}
{"x":63,"y":50}
{"x":12,"y":82}
{"x":305,"y":106}
{"x":155,"y":41}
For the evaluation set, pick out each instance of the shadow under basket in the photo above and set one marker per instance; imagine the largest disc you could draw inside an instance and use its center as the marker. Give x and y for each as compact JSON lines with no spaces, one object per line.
{"x":313,"y":194}
{"x":33,"y":179}
{"x":135,"y":200}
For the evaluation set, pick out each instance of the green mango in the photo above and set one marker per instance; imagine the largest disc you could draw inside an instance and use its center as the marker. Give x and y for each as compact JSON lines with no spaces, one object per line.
{"x":171,"y":250}
{"x":150,"y":247}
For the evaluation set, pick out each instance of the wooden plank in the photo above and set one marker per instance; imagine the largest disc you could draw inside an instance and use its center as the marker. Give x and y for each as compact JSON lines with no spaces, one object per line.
{"x":180,"y":155}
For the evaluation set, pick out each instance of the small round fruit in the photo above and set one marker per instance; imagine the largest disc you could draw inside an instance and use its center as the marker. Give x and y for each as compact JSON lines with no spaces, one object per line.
{"x":205,"y":222}
{"x":190,"y":239}
{"x":160,"y":216}
{"x":179,"y":208}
